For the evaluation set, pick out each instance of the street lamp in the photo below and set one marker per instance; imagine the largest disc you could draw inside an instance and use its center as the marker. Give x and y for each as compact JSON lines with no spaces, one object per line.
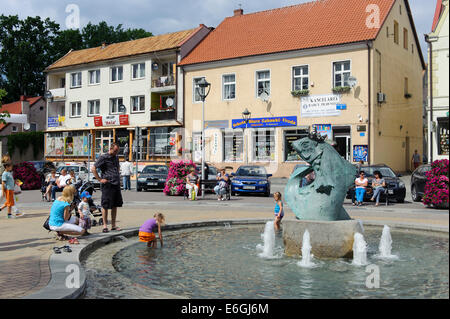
{"x":246,"y":117}
{"x":430,"y":39}
{"x":201,"y":90}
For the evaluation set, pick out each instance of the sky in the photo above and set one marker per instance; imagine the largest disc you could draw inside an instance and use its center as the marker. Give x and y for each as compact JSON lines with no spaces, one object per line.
{"x":164,"y":16}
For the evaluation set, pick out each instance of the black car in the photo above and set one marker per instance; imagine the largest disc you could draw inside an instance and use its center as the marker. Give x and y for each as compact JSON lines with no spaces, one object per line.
{"x":418,"y":181}
{"x":152,"y":177}
{"x":395,"y":187}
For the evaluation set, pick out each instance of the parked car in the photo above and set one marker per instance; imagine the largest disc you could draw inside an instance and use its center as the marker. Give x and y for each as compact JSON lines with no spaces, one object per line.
{"x":152,"y":177}
{"x":251,"y":179}
{"x":43,"y":167}
{"x":395,"y":187}
{"x":418,"y":181}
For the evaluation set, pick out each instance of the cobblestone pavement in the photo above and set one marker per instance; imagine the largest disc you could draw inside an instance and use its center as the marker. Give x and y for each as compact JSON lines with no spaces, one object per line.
{"x":25,"y":246}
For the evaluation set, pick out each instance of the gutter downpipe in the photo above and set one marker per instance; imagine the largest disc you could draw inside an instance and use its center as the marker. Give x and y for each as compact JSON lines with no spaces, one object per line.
{"x":369,"y":61}
{"x":430,"y":84}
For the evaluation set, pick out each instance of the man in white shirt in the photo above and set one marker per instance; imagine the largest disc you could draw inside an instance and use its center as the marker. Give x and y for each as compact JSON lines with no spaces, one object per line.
{"x":61,"y":182}
{"x":126,"y":170}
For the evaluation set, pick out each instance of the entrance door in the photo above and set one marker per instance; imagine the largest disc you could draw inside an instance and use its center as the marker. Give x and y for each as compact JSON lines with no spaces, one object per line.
{"x":343,"y":140}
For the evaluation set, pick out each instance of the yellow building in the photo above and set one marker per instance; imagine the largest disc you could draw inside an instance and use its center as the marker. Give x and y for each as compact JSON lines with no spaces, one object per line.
{"x":355,"y":75}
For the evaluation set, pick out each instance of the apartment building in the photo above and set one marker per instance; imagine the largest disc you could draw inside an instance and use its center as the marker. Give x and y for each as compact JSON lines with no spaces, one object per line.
{"x":129,"y":92}
{"x":353,"y":75}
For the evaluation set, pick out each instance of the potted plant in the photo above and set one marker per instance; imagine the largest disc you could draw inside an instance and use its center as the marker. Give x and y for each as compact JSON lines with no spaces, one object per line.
{"x":341,"y":89}
{"x":436,"y":187}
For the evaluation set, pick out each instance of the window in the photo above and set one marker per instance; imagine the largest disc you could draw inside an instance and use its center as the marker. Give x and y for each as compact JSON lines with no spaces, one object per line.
{"x":233,"y":143}
{"x":300,"y":76}
{"x":167,"y":69}
{"x":138,"y":103}
{"x":116,"y":73}
{"x":159,"y":143}
{"x":442,"y":136}
{"x":114,"y":105}
{"x":396,"y":35}
{"x":94,"y":77}
{"x":94,"y":107}
{"x":14,"y":129}
{"x":75,"y":109}
{"x":290,"y":137}
{"x":75,"y":81}
{"x":197,"y":97}
{"x":405,"y":38}
{"x":138,"y":71}
{"x":264,"y":145}
{"x":33,"y":127}
{"x":263,"y":82}
{"x":342,"y":72}
{"x":229,"y":86}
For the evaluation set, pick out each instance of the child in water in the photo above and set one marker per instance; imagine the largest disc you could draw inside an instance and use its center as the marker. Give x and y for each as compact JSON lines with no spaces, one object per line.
{"x":147,"y":230}
{"x":279,"y":211}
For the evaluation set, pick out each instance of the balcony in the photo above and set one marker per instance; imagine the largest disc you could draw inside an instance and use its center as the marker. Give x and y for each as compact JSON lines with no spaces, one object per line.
{"x":163,"y":84}
{"x":58,"y":94}
{"x":163,"y":107}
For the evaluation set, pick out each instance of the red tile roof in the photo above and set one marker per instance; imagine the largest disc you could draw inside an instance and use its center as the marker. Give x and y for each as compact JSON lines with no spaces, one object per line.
{"x":308,"y":25}
{"x":16,"y":107}
{"x":437,"y":14}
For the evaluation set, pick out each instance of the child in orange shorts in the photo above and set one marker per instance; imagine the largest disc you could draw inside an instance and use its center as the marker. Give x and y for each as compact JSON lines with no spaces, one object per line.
{"x":8,"y":189}
{"x":147,"y":230}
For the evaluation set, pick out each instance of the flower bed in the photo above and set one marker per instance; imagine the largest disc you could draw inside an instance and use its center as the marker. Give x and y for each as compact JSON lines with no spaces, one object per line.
{"x":178,"y":170}
{"x":27,"y":173}
{"x":436,"y":188}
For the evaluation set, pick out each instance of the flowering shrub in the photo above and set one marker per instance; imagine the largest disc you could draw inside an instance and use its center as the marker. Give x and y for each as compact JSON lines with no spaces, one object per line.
{"x":436,"y":188}
{"x":175,"y":183}
{"x":27,"y":173}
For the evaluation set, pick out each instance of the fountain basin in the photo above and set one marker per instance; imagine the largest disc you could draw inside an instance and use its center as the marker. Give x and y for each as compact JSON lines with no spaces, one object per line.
{"x":329,"y":239}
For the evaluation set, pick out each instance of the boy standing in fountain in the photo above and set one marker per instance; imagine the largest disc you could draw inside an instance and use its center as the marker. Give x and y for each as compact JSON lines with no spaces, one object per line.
{"x":279,"y":211}
{"x":147,"y":230}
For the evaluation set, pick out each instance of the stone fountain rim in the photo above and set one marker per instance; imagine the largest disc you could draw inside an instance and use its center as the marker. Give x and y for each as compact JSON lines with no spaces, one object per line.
{"x":56,"y":288}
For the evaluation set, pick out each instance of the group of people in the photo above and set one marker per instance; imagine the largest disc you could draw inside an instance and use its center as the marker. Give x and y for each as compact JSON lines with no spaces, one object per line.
{"x":222,"y":178}
{"x":361,"y":183}
{"x":57,"y":184}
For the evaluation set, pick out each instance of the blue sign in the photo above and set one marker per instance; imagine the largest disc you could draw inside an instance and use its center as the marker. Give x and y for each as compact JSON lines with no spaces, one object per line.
{"x":52,"y":121}
{"x":266,"y":122}
{"x":360,"y":153}
{"x":341,"y":106}
{"x":362,"y":134}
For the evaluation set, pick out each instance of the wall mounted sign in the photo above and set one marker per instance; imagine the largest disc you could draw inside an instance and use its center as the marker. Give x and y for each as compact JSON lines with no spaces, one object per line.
{"x":361,"y":128}
{"x":341,"y":106}
{"x":111,"y":120}
{"x":324,"y":129}
{"x":360,"y":153}
{"x":52,"y":121}
{"x":320,"y":105}
{"x":217,"y":124}
{"x":266,"y":122}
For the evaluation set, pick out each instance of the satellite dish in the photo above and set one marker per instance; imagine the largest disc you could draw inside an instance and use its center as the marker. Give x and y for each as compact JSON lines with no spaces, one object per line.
{"x":352,"y":81}
{"x":169,"y":102}
{"x":48,"y":95}
{"x":26,"y":126}
{"x":264,"y":96}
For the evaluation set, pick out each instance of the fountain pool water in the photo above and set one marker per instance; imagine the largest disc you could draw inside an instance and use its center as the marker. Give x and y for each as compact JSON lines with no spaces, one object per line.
{"x":223,"y":263}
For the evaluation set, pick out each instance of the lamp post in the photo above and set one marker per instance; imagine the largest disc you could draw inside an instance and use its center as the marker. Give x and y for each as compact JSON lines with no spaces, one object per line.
{"x":246,"y":117}
{"x":201,"y":90}
{"x":430,"y":39}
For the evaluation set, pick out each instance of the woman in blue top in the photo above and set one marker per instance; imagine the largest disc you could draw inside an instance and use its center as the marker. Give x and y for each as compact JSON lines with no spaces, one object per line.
{"x":61,"y":220}
{"x":279,"y":211}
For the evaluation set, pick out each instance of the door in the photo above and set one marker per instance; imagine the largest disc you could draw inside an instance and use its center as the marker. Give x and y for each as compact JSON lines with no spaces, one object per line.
{"x":343,"y":141}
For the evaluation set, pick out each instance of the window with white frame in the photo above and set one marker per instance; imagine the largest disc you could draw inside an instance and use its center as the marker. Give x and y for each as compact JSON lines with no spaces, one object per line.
{"x":262,"y":82}
{"x":195,"y":94}
{"x":229,"y":86}
{"x":116,"y":73}
{"x":300,"y":78}
{"x":75,"y":80}
{"x":94,"y":77}
{"x":138,"y":103}
{"x":75,"y":109}
{"x":341,"y":71}
{"x":263,"y":145}
{"x":138,"y":71}
{"x":114,"y":104}
{"x":233,"y":144}
{"x":94,"y":107}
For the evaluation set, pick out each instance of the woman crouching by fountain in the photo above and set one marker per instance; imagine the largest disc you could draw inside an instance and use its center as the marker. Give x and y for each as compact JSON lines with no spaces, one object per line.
{"x":147,"y":230}
{"x":279,"y":211}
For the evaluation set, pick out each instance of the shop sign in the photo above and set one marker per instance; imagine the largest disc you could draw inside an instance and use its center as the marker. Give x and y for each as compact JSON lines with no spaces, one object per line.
{"x":217,"y":124}
{"x":111,"y":120}
{"x":360,"y":153}
{"x":320,"y":105}
{"x":324,"y":130}
{"x":266,"y":122}
{"x":52,"y":121}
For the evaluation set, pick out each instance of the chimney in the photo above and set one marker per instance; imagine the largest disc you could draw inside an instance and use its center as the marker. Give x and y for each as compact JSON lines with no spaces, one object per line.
{"x":103,"y":45}
{"x":238,"y":12}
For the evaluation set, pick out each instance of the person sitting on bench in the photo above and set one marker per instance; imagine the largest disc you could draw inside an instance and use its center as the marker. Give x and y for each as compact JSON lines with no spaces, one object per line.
{"x":378,"y":186}
{"x":191,"y":184}
{"x":221,"y":187}
{"x":61,"y":182}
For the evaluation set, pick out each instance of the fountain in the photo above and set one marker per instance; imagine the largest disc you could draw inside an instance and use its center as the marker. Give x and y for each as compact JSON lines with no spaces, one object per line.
{"x":269,"y":241}
{"x":359,"y":250}
{"x":385,"y":246}
{"x":306,"y":252}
